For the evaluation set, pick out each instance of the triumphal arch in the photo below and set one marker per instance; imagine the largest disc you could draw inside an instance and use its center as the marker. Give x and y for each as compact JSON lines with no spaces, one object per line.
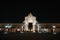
{"x":30,"y":19}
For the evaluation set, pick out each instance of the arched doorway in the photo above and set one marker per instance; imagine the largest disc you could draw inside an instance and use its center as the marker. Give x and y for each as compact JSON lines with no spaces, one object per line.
{"x":30,"y":22}
{"x":30,"y":26}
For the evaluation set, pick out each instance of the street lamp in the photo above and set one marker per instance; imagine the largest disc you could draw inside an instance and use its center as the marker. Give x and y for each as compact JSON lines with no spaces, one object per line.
{"x":54,"y":28}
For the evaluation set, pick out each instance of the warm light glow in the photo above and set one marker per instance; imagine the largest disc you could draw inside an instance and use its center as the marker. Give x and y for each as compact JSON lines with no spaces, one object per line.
{"x":0,"y":28}
{"x":54,"y":26}
{"x":6,"y":29}
{"x":45,"y":30}
{"x":18,"y":29}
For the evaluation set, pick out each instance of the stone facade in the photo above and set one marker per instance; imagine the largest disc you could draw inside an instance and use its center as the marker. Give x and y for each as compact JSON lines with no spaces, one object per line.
{"x":30,"y":21}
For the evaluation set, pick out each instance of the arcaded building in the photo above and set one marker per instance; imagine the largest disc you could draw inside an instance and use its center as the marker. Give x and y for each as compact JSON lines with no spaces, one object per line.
{"x":30,"y":24}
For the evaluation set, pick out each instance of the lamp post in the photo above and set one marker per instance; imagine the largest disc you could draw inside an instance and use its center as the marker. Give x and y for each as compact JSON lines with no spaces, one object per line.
{"x":54,"y":29}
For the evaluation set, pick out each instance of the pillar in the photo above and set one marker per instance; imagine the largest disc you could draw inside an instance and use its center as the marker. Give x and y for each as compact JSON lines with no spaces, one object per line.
{"x":26,"y":27}
{"x":33,"y":28}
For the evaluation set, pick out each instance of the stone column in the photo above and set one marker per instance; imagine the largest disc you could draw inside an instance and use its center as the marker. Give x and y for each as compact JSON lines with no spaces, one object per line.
{"x":38,"y":28}
{"x":33,"y":28}
{"x":26,"y":27}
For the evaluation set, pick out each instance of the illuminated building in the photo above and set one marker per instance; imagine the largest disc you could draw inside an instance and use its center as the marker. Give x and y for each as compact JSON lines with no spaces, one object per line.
{"x":30,"y":24}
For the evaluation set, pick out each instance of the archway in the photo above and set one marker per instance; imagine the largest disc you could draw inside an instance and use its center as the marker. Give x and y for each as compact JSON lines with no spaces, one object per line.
{"x":30,"y":26}
{"x":30,"y":22}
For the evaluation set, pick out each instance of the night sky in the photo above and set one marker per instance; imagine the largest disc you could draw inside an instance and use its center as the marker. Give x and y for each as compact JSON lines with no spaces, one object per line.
{"x":15,"y":13}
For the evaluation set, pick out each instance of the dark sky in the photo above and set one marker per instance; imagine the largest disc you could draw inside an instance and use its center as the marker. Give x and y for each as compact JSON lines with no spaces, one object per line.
{"x":13,"y":13}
